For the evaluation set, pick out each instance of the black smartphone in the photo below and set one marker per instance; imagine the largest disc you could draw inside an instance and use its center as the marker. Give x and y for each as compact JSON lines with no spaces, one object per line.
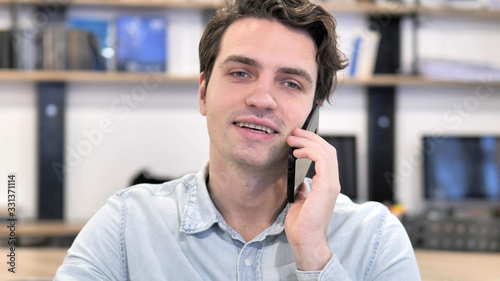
{"x":297,"y":168}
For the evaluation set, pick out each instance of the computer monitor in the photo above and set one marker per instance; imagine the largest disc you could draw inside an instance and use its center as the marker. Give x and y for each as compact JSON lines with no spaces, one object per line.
{"x":462,"y":169}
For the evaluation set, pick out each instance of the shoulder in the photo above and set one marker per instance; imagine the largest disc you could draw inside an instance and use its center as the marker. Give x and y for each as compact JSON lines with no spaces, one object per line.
{"x":368,"y":215}
{"x":143,"y":201}
{"x":368,"y":237}
{"x":159,"y":190}
{"x":346,"y":207}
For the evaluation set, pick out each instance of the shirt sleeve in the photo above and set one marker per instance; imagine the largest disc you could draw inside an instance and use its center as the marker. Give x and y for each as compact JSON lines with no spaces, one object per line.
{"x":394,"y":258}
{"x":332,"y":271}
{"x":98,"y":251}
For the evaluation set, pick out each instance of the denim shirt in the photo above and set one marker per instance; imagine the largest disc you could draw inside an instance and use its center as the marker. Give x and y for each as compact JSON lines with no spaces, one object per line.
{"x":172,"y":231}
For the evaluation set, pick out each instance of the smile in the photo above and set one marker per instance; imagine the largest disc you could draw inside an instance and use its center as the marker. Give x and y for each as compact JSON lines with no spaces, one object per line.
{"x":256,"y":128}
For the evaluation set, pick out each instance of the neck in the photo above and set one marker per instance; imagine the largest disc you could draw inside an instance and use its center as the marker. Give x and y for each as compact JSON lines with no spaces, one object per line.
{"x":249,"y":200}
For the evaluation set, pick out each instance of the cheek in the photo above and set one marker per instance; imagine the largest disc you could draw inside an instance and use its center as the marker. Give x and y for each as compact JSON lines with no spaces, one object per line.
{"x":222,"y":104}
{"x":298,"y":117}
{"x":217,"y":110}
{"x":300,"y":121}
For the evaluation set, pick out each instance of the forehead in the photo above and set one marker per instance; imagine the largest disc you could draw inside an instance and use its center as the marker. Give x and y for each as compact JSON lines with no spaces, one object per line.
{"x":269,"y":42}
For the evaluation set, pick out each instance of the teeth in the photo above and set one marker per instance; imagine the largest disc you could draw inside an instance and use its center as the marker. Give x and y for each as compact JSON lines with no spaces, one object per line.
{"x":255,"y":127}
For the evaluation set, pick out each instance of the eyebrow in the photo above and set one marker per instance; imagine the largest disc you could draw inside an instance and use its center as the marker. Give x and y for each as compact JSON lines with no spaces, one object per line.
{"x":296,"y":71}
{"x":256,"y":64}
{"x":243,"y":60}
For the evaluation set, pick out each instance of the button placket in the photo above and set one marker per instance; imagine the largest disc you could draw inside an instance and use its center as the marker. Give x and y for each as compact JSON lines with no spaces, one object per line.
{"x":248,"y":263}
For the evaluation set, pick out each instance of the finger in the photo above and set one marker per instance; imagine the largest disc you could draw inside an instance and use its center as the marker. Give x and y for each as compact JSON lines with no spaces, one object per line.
{"x":325,"y":159}
{"x":318,"y":150}
{"x":313,"y":150}
{"x":299,"y":142}
{"x":300,"y":137}
{"x":313,"y":141}
{"x":305,"y":134}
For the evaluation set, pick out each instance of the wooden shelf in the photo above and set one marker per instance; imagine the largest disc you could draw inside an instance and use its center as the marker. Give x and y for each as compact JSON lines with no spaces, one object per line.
{"x":113,"y":77}
{"x":401,"y":9}
{"x":363,"y":8}
{"x":369,"y":8}
{"x":399,"y":80}
{"x":333,"y":7}
{"x":125,"y":3}
{"x":42,"y":229}
{"x":90,"y":76}
{"x":474,"y":13}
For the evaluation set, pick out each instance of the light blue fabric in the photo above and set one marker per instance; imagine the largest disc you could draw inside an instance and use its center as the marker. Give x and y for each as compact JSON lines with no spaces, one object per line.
{"x":172,"y":231}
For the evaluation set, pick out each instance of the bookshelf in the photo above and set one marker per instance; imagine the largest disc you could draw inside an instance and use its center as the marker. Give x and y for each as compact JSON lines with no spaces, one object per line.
{"x":367,"y":8}
{"x":363,"y":7}
{"x":44,"y":229}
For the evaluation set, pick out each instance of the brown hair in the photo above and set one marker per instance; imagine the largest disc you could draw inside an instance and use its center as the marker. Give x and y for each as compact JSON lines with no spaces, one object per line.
{"x":299,"y":14}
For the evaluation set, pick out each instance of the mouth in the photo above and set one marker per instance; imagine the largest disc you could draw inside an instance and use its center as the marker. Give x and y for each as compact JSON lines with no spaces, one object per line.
{"x":255,"y":128}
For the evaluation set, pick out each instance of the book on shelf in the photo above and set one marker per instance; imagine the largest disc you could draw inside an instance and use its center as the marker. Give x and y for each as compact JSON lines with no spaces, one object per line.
{"x":5,"y":18}
{"x":83,"y":51}
{"x":456,"y":4}
{"x":455,"y":70}
{"x":5,"y":49}
{"x":184,"y":32}
{"x":364,"y":52}
{"x":53,"y":44}
{"x":25,"y":44}
{"x":407,"y":49}
{"x":493,"y":5}
{"x":141,"y":44}
{"x":60,"y":49}
{"x":100,"y":29}
{"x":51,"y":48}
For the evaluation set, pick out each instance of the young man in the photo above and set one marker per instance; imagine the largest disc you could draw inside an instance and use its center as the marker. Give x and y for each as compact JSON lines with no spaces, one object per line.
{"x":263,"y":66}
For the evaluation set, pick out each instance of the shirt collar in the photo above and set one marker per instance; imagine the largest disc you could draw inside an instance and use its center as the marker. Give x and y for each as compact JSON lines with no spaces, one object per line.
{"x":199,"y":213}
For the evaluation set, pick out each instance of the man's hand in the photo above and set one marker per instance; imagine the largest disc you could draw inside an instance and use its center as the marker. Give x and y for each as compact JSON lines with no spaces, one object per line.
{"x":308,"y":218}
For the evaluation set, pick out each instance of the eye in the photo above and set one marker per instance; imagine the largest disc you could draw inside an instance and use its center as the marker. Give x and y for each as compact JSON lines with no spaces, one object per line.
{"x":292,"y":85}
{"x":240,"y":74}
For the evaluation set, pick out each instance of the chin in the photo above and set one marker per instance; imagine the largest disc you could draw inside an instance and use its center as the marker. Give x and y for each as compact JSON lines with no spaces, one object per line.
{"x":267,"y":161}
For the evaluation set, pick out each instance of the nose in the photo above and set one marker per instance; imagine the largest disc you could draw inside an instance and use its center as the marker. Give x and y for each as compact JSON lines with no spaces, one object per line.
{"x":262,"y":96}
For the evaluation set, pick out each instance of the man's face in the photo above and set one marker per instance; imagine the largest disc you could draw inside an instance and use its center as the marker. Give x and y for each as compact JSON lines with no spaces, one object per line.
{"x":261,"y":88}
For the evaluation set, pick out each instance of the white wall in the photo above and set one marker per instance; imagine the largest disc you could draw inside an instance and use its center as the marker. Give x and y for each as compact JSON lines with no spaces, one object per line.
{"x":18,"y":144}
{"x":459,"y":38}
{"x":347,"y":115}
{"x":159,"y":130}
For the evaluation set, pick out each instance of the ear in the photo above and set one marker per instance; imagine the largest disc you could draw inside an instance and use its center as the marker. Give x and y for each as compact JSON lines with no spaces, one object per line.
{"x":202,"y":95}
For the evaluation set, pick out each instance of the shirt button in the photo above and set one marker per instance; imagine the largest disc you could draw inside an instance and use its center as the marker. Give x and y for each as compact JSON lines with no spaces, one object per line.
{"x":248,"y":262}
